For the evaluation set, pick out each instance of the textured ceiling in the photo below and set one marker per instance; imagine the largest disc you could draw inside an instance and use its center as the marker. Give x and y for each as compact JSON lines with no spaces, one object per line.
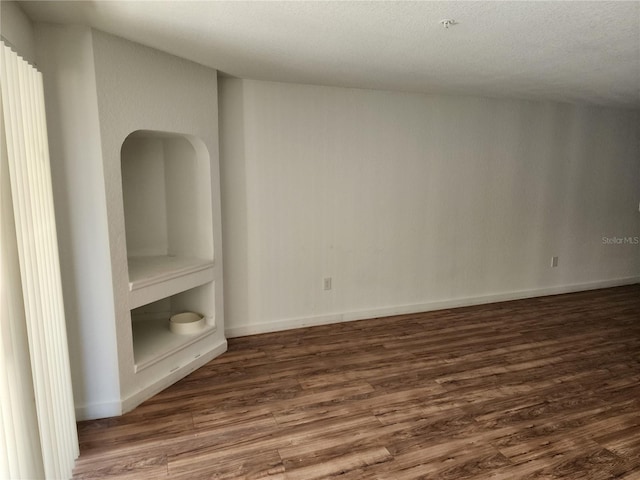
{"x":567,"y":51}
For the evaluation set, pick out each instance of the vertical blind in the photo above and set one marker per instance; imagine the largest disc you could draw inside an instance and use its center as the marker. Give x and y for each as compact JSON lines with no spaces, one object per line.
{"x":33,"y":236}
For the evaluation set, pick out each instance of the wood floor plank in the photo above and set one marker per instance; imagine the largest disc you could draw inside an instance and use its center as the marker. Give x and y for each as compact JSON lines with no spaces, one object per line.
{"x":336,"y":466}
{"x":149,"y":465}
{"x":448,"y":460}
{"x":249,"y":464}
{"x":132,"y":428}
{"x":539,"y":388}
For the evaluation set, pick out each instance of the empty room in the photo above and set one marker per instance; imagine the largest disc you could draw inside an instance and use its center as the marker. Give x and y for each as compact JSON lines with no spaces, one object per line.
{"x":320,"y":239}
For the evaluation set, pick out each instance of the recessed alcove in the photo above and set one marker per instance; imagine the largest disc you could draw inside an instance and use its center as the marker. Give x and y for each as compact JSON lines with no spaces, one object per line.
{"x":166,"y":188}
{"x":153,"y":341}
{"x":166,"y":191}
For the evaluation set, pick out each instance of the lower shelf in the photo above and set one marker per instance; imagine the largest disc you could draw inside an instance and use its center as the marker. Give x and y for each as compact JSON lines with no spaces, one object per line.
{"x":153,"y":341}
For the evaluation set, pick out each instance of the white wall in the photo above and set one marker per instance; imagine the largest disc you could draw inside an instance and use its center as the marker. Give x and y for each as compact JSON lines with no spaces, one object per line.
{"x":411,"y":202}
{"x":65,"y":56}
{"x":17,"y":30}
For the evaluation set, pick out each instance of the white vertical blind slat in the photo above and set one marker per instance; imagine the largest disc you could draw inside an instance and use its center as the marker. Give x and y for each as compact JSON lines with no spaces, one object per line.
{"x":65,"y":415}
{"x":23,"y":210}
{"x":14,"y":127}
{"x":33,"y":190}
{"x":28,"y":158}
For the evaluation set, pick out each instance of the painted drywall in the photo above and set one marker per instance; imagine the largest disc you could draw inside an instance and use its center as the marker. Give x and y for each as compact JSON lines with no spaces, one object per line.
{"x":17,"y":30}
{"x":140,"y":88}
{"x":99,"y":90}
{"x":411,"y":202}
{"x":65,"y":56}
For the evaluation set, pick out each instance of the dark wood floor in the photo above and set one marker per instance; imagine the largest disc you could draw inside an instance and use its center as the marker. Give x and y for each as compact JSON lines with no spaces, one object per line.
{"x":540,"y":388}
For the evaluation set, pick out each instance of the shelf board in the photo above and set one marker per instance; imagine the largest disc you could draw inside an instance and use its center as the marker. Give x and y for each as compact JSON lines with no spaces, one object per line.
{"x":153,"y":341}
{"x":154,"y":277}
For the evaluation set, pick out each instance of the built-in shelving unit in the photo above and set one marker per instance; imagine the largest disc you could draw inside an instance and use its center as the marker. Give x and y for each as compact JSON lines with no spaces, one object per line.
{"x":168,"y":224}
{"x":152,"y":339}
{"x":138,"y":187}
{"x":154,"y":342}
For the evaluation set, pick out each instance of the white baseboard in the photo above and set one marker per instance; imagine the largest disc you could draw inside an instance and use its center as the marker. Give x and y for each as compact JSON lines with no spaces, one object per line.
{"x":287,"y":324}
{"x":118,"y":407}
{"x":140,"y":396}
{"x":92,"y":411}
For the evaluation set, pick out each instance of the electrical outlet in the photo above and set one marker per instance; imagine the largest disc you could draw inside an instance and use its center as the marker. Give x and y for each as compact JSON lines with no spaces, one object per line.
{"x":554,"y":262}
{"x":326,"y":283}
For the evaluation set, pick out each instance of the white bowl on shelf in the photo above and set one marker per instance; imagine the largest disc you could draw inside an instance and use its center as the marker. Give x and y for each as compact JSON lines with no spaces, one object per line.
{"x":186,"y":323}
